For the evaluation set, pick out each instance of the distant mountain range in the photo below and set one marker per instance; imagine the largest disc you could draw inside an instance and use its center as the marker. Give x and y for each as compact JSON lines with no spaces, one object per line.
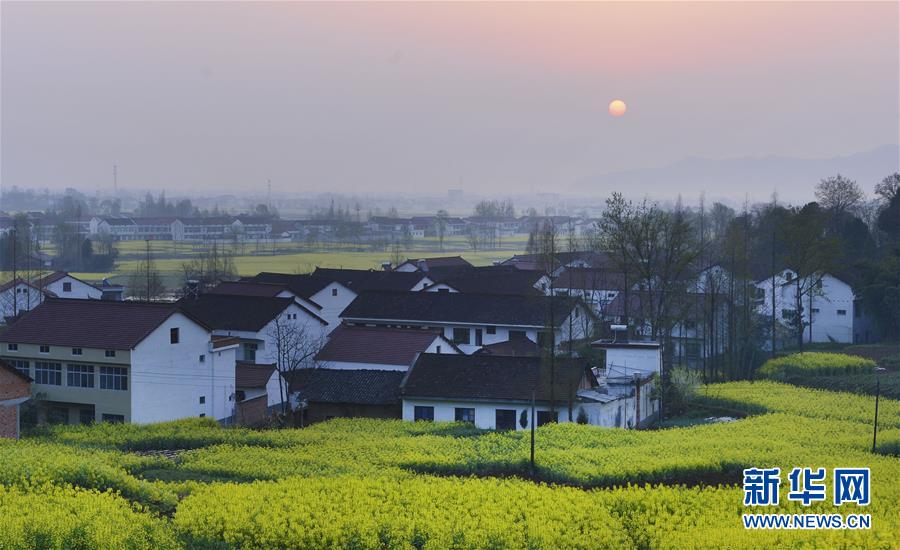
{"x":732,"y":178}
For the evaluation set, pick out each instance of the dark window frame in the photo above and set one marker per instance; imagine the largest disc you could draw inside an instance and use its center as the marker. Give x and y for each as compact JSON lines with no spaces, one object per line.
{"x":80,"y":376}
{"x":464,"y":414}
{"x":174,"y":335}
{"x":423,"y":413}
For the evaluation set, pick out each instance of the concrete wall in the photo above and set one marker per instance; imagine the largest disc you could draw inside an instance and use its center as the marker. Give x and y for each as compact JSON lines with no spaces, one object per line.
{"x":334,"y":299}
{"x":104,"y":401}
{"x":827,"y":303}
{"x":170,"y":380}
{"x":18,"y":299}
{"x":80,"y":290}
{"x":485,"y":412}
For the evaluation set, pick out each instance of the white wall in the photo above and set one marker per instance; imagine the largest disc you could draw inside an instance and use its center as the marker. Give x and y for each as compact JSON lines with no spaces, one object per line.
{"x":501,"y":335}
{"x":19,"y":298}
{"x":168,"y":380}
{"x":80,"y":290}
{"x":629,"y":360}
{"x":485,"y":412}
{"x":827,"y":324}
{"x":445,"y":349}
{"x":333,"y":305}
{"x":273,"y":391}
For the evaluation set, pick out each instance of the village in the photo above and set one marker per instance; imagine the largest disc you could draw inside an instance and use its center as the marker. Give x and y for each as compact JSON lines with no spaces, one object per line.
{"x":536,"y":338}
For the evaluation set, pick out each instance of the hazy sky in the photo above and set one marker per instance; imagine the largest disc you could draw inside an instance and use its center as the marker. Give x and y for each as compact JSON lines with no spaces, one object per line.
{"x":420,"y":97}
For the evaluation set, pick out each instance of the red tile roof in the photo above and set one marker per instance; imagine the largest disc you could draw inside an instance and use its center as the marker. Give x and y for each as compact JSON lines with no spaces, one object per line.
{"x":97,"y":324}
{"x":378,"y":345}
{"x":248,"y":375}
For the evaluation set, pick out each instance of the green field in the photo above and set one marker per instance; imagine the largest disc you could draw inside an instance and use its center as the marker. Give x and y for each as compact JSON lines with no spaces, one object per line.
{"x":250,"y":259}
{"x":391,"y":484}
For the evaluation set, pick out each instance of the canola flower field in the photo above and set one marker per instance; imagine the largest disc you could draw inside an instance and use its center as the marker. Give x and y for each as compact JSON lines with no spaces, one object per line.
{"x":389,"y":484}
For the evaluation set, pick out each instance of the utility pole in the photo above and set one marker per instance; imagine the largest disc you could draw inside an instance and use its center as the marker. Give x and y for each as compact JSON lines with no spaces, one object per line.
{"x":147,"y":242}
{"x":875,"y":429}
{"x":532,"y":432}
{"x":15,"y":237}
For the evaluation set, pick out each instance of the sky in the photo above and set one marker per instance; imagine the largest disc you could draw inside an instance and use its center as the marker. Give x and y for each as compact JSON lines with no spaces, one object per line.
{"x":493,"y":98}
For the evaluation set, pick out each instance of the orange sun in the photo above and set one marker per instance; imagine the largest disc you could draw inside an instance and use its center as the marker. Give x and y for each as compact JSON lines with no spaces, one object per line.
{"x":617,"y":107}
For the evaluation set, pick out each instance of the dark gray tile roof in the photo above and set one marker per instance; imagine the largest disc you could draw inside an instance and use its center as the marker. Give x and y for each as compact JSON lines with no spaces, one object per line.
{"x":89,"y":323}
{"x":232,"y":312}
{"x":490,"y":377}
{"x":458,"y":307}
{"x":359,"y":280}
{"x":377,"y":345}
{"x":358,"y":387}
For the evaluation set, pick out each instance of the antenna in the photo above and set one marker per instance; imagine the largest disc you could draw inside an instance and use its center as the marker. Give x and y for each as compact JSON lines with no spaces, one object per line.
{"x":269,"y":193}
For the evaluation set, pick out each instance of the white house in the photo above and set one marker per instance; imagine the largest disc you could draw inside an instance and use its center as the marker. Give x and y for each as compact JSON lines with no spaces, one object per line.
{"x":19,"y":295}
{"x":596,"y":286}
{"x":257,"y":322}
{"x":827,"y":309}
{"x":98,"y":360}
{"x":379,"y":348}
{"x":472,"y":320}
{"x":493,"y":392}
{"x":326,"y":295}
{"x":65,"y":285}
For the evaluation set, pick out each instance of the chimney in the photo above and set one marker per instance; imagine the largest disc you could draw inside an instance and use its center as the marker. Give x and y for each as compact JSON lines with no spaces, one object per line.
{"x":423,"y":265}
{"x":386,"y":266}
{"x":620,"y":333}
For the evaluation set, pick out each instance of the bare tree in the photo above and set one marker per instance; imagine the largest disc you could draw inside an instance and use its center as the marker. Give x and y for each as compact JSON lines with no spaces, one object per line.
{"x":214,"y":265}
{"x":441,"y":226}
{"x":888,"y":188}
{"x":839,"y":194}
{"x":145,"y":282}
{"x":295,"y":344}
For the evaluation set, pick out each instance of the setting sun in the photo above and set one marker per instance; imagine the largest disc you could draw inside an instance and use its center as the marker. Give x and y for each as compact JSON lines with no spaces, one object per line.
{"x":617,"y":107}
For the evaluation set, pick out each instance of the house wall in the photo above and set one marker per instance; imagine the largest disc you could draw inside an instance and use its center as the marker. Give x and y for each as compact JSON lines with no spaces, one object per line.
{"x":827,"y":323}
{"x":79,"y":290}
{"x":168,"y":380}
{"x":633,"y":359}
{"x":19,"y":298}
{"x":621,"y":413}
{"x":275,"y":388}
{"x":332,"y":306}
{"x":12,"y":389}
{"x":74,"y":399}
{"x":501,"y":335}
{"x":485,"y":411}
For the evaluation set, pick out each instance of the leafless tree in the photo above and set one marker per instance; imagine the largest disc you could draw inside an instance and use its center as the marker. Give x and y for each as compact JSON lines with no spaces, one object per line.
{"x":839,"y":194}
{"x":145,"y":282}
{"x":888,"y":188}
{"x":214,"y":265}
{"x":295,"y":344}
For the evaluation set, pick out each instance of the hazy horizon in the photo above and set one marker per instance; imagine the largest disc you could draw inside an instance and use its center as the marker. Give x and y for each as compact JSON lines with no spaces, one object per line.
{"x":495,"y":99}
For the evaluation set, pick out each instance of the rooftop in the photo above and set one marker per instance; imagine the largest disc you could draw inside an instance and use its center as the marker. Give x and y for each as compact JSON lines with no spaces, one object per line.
{"x":98,"y":324}
{"x":359,"y":280}
{"x":490,"y":377}
{"x":357,"y":387}
{"x":485,"y":309}
{"x":235,"y":312}
{"x":249,"y":375}
{"x":377,"y":345}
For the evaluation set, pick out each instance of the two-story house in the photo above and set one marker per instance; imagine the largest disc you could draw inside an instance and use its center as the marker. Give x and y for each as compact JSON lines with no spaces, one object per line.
{"x":472,"y":320}
{"x":97,"y":360}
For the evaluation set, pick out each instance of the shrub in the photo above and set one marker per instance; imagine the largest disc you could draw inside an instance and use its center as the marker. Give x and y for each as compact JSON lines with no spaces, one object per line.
{"x":815,"y":363}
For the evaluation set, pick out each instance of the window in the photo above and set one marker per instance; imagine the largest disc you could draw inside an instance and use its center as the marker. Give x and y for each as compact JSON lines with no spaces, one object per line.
{"x":443,"y":290}
{"x":438,"y":349}
{"x":815,"y":310}
{"x":202,"y":415}
{"x":113,"y":418}
{"x":505,"y":419}
{"x":465,"y":415}
{"x":19,"y":365}
{"x":788,"y":313}
{"x":819,"y":284}
{"x":692,"y":351}
{"x":80,"y":376}
{"x":202,"y":399}
{"x":202,"y":358}
{"x":516,"y":334}
{"x":44,"y":349}
{"x":240,"y":395}
{"x":12,"y":347}
{"x":334,"y":292}
{"x":113,"y":378}
{"x":110,"y":353}
{"x":76,"y":351}
{"x":461,"y":336}
{"x":173,"y":335}
{"x":67,"y":287}
{"x":250,"y":352}
{"x":423,"y":413}
{"x":788,"y":276}
{"x":86,"y":416}
{"x":760,"y":293}
{"x":546,"y":417}
{"x":690,"y":324}
{"x":491,"y":330}
{"x":47,"y":373}
{"x":479,"y":339}
{"x":842,"y":312}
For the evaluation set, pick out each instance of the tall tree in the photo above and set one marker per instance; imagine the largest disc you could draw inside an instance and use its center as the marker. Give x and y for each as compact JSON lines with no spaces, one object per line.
{"x":839,"y":194}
